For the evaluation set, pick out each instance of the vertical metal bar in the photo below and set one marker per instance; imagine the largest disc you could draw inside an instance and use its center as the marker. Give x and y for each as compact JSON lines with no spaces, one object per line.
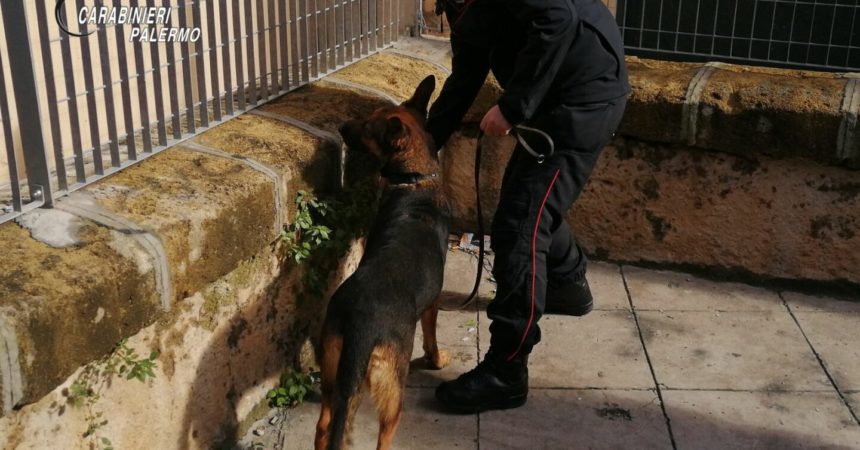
{"x":186,"y":72}
{"x":142,"y":95}
{"x":110,"y":113}
{"x":714,"y":29}
{"x":89,"y":82}
{"x":331,"y":41}
{"x":387,"y":17}
{"x":295,"y":59}
{"x":811,"y":30}
{"x":322,"y":34}
{"x":696,"y":27}
{"x":239,"y":57}
{"x":261,"y":50}
{"x":734,"y":26}
{"x":770,"y":37}
{"x":200,"y":50}
{"x":27,"y":101}
{"x":372,"y":26}
{"x":283,"y":44}
{"x":854,"y":15}
{"x":348,"y":33}
{"x":72,"y":104}
{"x":358,"y":36}
{"x":642,"y":23}
{"x":624,"y":10}
{"x":225,"y":57}
{"x":313,"y":46}
{"x":157,"y":87}
{"x":340,"y":34}
{"x":790,"y":32}
{"x":365,"y":26}
{"x":122,"y":60}
{"x":213,"y":60}
{"x":50,"y":91}
{"x":677,"y":23}
{"x":660,"y":25}
{"x":830,"y":38}
{"x":273,"y":48}
{"x":6,"y":123}
{"x":303,"y":15}
{"x":249,"y":41}
{"x":752,"y":28}
{"x":381,"y":22}
{"x":172,"y":86}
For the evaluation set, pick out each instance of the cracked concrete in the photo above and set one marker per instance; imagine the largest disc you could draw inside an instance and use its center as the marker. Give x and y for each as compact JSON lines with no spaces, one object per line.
{"x":719,"y":365}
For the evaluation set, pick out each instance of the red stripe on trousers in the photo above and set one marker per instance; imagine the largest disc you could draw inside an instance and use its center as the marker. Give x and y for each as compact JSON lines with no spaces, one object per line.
{"x":534,"y":265}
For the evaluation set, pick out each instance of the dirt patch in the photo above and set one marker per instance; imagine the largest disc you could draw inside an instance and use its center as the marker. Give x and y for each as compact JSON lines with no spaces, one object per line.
{"x":210,"y":211}
{"x":395,"y":74}
{"x":324,"y":107}
{"x":614,"y":412}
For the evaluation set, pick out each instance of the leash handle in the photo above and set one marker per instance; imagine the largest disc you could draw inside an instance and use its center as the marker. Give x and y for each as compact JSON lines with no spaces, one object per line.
{"x":539,"y":156}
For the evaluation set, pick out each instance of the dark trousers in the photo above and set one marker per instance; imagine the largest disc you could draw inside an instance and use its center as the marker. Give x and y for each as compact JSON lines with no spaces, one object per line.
{"x":532,"y":243}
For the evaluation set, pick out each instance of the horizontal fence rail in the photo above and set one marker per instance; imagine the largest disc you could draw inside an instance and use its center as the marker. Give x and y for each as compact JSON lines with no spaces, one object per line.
{"x":75,"y":109}
{"x":802,"y":34}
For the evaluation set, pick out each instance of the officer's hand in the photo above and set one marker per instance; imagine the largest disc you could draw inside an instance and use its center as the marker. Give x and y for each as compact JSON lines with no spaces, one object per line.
{"x":494,"y":123}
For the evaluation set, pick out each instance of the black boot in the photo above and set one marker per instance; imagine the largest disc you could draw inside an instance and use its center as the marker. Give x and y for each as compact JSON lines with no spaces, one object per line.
{"x":495,"y":384}
{"x":572,"y":298}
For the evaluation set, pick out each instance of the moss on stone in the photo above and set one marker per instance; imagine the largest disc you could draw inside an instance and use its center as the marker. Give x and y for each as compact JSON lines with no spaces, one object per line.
{"x":54,"y":309}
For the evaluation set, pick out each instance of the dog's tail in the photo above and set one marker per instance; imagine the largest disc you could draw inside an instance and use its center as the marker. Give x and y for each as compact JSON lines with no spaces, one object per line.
{"x":351,"y":371}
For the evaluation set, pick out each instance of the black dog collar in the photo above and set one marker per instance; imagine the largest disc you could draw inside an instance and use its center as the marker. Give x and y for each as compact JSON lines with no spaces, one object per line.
{"x":407,"y":177}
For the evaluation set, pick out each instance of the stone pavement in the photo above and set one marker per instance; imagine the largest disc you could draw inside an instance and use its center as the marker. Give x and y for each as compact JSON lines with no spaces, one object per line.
{"x":666,"y":360}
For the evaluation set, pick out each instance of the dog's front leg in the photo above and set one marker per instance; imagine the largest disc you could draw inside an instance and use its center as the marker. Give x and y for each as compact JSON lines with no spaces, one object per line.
{"x":435,"y":357}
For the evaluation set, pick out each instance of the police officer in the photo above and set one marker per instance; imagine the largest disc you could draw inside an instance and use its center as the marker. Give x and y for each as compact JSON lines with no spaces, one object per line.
{"x":561,"y":65}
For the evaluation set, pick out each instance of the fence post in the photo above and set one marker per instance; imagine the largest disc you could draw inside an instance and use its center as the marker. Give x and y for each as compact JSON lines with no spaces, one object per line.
{"x":23,"y":70}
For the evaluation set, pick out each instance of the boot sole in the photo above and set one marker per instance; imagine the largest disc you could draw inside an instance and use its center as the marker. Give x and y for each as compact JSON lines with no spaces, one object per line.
{"x":577,"y":311}
{"x":507,"y":403}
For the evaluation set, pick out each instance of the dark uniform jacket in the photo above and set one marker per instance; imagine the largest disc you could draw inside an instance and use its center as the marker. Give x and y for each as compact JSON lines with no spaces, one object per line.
{"x":544,"y":53}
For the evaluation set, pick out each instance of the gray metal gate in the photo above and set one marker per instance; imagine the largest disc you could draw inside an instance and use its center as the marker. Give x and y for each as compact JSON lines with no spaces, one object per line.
{"x":806,"y":34}
{"x":75,"y":109}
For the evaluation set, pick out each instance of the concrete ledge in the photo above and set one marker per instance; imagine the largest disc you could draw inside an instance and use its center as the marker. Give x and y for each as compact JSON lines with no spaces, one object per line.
{"x":755,"y":189}
{"x":744,"y":110}
{"x":174,"y":253}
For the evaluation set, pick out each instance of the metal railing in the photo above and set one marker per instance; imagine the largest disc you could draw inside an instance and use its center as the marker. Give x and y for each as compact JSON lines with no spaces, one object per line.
{"x":77,"y":109}
{"x":803,"y":34}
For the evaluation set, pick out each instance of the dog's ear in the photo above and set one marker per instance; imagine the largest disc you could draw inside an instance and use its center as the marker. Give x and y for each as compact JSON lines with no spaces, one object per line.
{"x":395,"y":129}
{"x":421,"y":98}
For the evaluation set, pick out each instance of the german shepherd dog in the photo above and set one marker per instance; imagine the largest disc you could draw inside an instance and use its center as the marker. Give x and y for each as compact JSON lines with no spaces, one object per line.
{"x":366,"y":340}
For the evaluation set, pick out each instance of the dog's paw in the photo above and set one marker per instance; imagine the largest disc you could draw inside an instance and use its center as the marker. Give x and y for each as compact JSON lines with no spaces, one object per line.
{"x":439,"y":360}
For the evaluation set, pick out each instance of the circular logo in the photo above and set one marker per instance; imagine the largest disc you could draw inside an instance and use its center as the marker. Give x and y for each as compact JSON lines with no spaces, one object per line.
{"x":61,"y":21}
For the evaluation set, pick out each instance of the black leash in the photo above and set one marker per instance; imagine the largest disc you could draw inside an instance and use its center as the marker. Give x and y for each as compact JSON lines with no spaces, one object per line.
{"x":540,"y":157}
{"x":480,"y":273}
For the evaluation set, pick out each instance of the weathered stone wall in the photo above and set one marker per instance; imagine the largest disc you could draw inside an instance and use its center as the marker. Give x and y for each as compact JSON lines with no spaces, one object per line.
{"x":735,"y":170}
{"x":176,"y":254}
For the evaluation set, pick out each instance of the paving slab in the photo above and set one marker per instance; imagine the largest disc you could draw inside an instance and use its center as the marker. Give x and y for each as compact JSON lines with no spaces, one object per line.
{"x":578,"y":419}
{"x":422,"y":426}
{"x":745,"y":351}
{"x":460,"y":272}
{"x":457,"y":334}
{"x":742,"y":420}
{"x":801,"y":302}
{"x":607,"y":286}
{"x":599,"y":350}
{"x":674,"y":291}
{"x":836,"y":338}
{"x":854,"y":402}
